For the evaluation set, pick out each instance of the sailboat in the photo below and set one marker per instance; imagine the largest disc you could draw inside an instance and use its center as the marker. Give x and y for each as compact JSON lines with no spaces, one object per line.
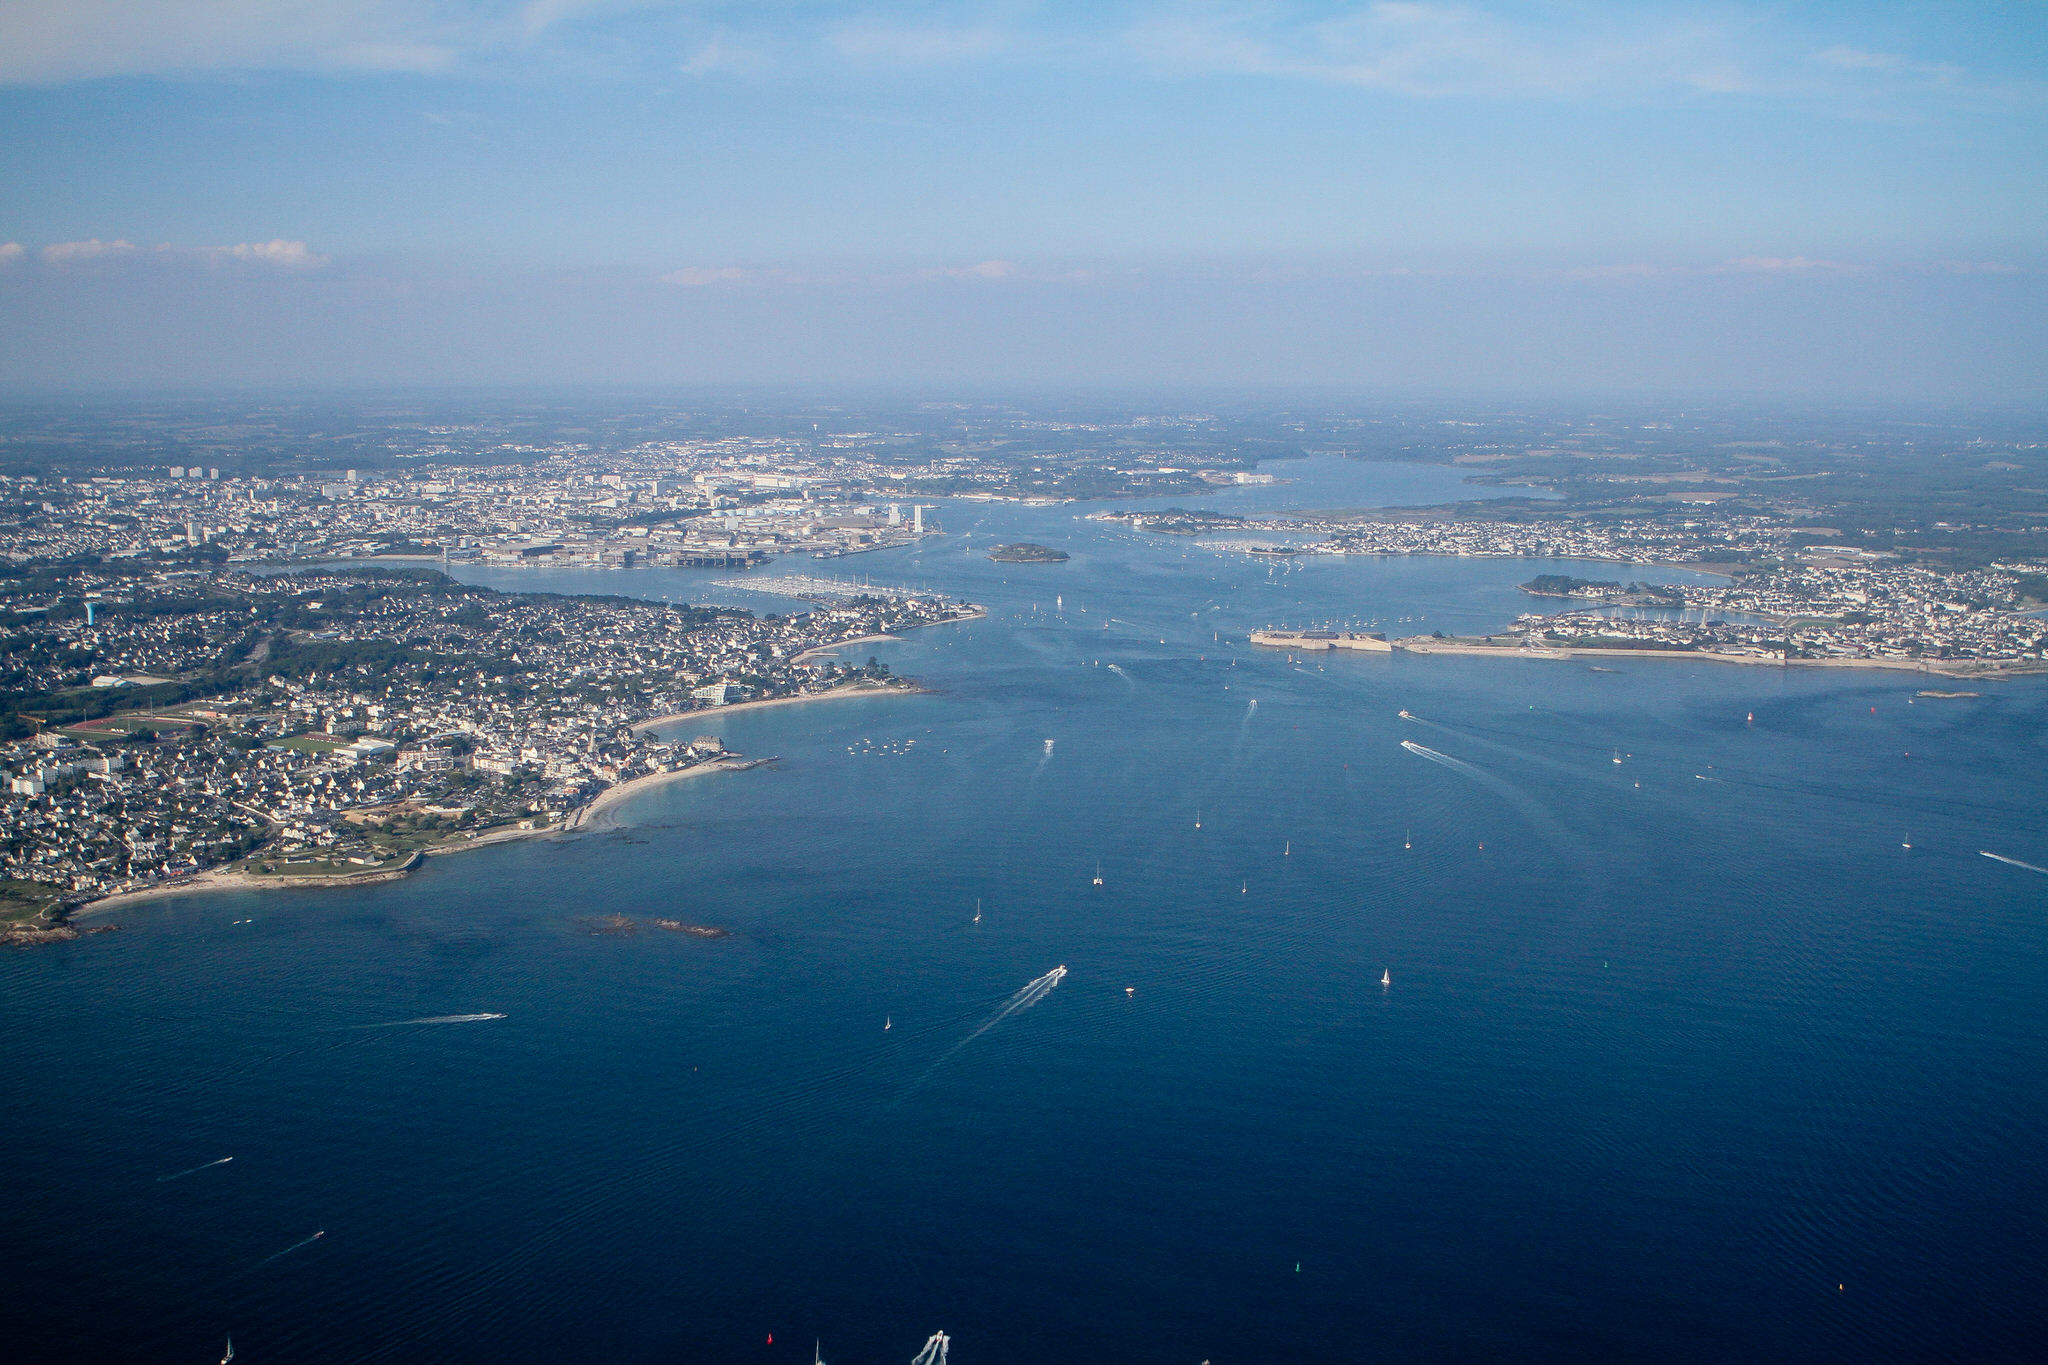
{"x":1617,"y":755}
{"x":1288,"y":852}
{"x":1408,"y":839}
{"x":1908,"y":843}
{"x":231,"y":1352}
{"x":1098,"y":874}
{"x":977,"y":909}
{"x":1387,"y":977}
{"x":887,"y":1020}
{"x":1244,"y":888}
{"x":1198,"y":819}
{"x":816,"y":1358}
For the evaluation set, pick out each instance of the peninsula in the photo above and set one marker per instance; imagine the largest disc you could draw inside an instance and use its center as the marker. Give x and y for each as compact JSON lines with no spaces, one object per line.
{"x":169,"y":728}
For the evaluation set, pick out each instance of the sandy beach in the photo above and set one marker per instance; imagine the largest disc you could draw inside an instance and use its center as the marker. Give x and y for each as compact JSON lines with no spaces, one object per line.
{"x":809,"y":654}
{"x":837,"y":693}
{"x":587,"y":817}
{"x":228,"y":879}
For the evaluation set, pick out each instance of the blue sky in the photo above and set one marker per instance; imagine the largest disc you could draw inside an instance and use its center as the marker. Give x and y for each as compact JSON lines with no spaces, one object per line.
{"x":916,"y":190}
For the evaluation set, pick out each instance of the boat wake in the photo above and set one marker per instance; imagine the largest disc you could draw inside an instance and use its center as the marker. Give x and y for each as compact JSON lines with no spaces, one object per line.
{"x":293,"y":1247}
{"x":436,"y":1019}
{"x":1455,"y":764}
{"x":2015,"y":862}
{"x":1532,"y":810}
{"x":1032,"y":992}
{"x":206,"y":1166}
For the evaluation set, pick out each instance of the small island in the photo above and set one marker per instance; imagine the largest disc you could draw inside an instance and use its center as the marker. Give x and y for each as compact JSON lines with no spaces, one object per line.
{"x":1024,"y":552}
{"x":1607,"y":592}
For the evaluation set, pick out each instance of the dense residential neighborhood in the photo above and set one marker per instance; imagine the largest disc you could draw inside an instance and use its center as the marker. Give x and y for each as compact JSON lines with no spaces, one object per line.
{"x":340,"y":723}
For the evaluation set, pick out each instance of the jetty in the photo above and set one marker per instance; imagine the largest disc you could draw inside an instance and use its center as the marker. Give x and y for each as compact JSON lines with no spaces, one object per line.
{"x":1307,"y":640}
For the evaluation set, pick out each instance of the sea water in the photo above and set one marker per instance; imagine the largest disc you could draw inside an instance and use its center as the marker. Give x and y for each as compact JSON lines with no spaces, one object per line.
{"x":1684,"y":1057}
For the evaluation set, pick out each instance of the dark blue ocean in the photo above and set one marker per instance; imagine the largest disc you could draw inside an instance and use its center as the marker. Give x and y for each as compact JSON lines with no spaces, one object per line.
{"x":1681,"y":1058}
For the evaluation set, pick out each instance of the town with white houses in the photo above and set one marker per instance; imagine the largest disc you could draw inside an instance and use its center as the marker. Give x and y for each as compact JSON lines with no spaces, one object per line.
{"x":342,"y":724}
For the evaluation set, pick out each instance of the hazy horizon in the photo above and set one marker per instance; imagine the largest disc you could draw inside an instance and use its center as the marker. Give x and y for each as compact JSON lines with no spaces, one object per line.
{"x":1531,"y":197}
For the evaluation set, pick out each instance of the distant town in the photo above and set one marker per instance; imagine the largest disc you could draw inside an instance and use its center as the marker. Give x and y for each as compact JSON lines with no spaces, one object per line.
{"x":1785,"y":600}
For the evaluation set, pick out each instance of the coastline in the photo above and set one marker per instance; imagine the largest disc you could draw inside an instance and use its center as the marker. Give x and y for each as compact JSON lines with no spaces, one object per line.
{"x":230,"y":879}
{"x":806,"y":656}
{"x":235,"y":878}
{"x":974,"y":612}
{"x":1956,"y":668}
{"x":830,"y":694}
{"x":583,"y":815}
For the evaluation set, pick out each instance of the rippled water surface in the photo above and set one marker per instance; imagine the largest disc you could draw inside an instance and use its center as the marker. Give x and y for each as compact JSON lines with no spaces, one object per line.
{"x":1684,"y":1057}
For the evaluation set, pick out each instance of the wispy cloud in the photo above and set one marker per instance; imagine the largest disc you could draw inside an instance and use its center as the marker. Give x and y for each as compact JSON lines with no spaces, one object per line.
{"x":11,"y":252}
{"x":1887,"y":63}
{"x":45,"y":42}
{"x":1633,"y":270}
{"x":1740,"y":265}
{"x":872,"y":39}
{"x":278,"y":254}
{"x":1788,"y":265}
{"x":1569,"y":49}
{"x":1435,"y":50}
{"x":69,"y":253}
{"x":984,"y":270}
{"x":980,"y":272}
{"x":698,"y":276}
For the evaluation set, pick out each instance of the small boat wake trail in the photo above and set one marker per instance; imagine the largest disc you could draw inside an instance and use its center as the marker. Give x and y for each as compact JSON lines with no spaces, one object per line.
{"x":1454,"y":764}
{"x":204,"y":1166}
{"x":1033,"y":991}
{"x":436,"y":1019}
{"x":293,"y":1247}
{"x":2014,"y":862}
{"x":1531,"y":809}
